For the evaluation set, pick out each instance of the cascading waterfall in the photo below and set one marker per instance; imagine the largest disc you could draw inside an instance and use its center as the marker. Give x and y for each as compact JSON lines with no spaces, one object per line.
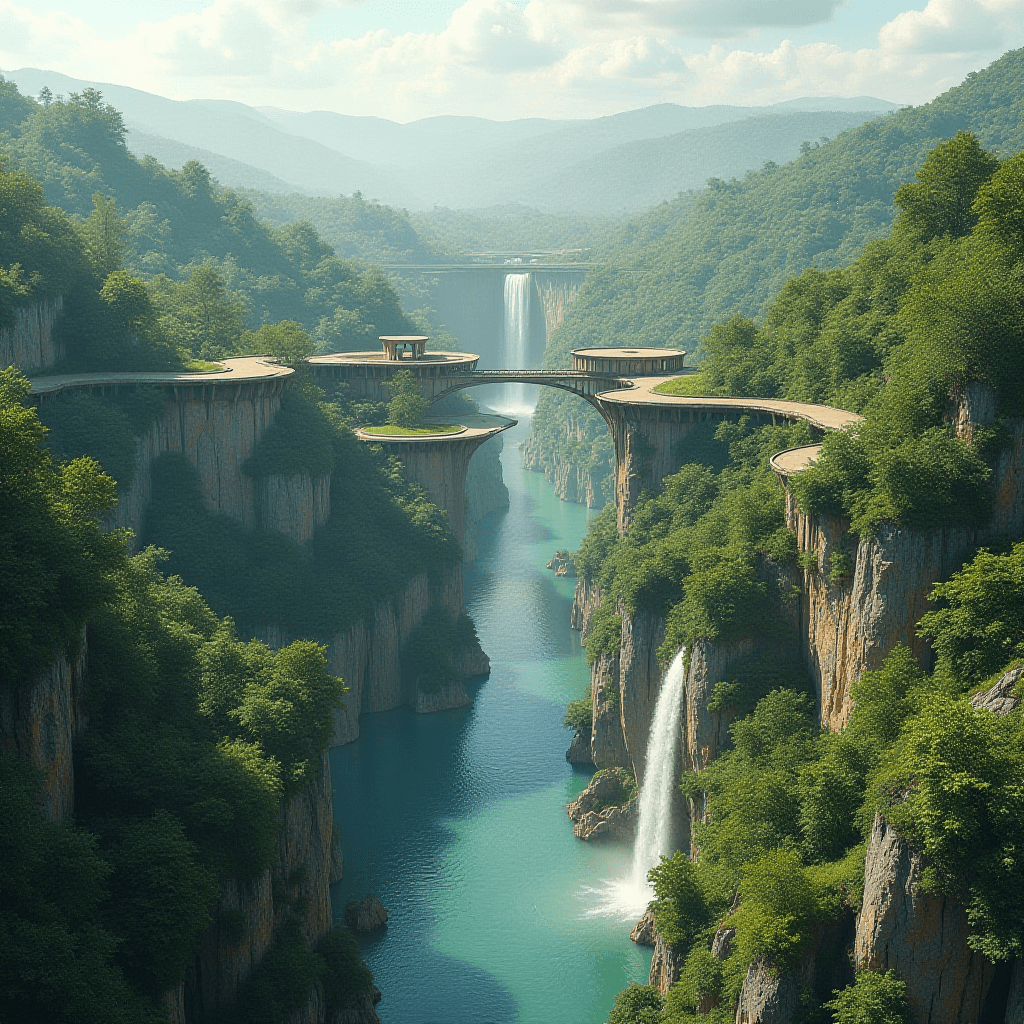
{"x":628,"y":897}
{"x":515,"y":341}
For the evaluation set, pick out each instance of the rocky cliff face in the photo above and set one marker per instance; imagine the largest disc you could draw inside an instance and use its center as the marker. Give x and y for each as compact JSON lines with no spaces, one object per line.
{"x":249,"y":914}
{"x":217,"y":428}
{"x":367,"y":655}
{"x":922,"y":938}
{"x":293,"y":505}
{"x":486,"y":492}
{"x":28,"y":343}
{"x":41,"y":721}
{"x":851,"y":625}
{"x":572,"y":482}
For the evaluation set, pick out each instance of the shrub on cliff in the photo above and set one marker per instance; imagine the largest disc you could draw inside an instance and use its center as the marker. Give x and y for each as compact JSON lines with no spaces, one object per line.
{"x":55,"y":562}
{"x":875,"y":998}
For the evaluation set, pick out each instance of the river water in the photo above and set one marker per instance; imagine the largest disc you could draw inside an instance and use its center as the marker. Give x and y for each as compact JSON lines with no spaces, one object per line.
{"x":457,"y":820}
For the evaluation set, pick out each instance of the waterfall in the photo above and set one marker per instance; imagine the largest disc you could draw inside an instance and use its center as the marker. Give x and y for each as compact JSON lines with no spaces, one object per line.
{"x":654,"y":834}
{"x":515,"y":341}
{"x":628,"y":897}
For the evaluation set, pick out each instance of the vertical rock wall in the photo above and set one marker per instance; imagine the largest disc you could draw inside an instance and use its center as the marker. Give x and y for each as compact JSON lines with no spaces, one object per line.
{"x":28,"y":342}
{"x":293,"y":505}
{"x":216,"y":428}
{"x":41,"y":720}
{"x":249,"y":915}
{"x":851,"y":625}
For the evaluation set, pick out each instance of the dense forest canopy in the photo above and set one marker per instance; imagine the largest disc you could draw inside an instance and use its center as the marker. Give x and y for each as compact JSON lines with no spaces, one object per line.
{"x":739,"y":242}
{"x":213,"y":269}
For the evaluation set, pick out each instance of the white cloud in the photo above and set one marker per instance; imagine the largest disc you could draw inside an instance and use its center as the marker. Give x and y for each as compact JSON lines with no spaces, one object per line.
{"x":555,"y":58}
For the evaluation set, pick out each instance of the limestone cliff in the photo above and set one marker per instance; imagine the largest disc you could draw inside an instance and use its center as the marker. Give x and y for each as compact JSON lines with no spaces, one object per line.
{"x":486,"y":492}
{"x":607,"y":746}
{"x":293,"y":505}
{"x":28,"y":342}
{"x":41,"y":721}
{"x":572,"y":481}
{"x":251,"y":911}
{"x":367,"y":655}
{"x":217,"y":428}
{"x":851,"y":624}
{"x":922,"y":938}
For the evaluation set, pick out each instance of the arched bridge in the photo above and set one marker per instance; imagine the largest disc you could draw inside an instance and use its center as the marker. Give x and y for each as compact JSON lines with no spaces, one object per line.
{"x":586,"y":385}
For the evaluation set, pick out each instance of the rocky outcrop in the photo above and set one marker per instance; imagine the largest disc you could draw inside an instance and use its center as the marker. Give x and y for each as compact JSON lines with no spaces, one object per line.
{"x":607,"y":746}
{"x":367,"y":655}
{"x":1001,"y":698}
{"x":40,"y":720}
{"x":293,"y":505}
{"x":645,"y":930}
{"x":851,"y":624}
{"x":367,"y":915}
{"x":579,"y":748}
{"x":216,"y":428}
{"x":561,"y":564}
{"x":607,"y":807}
{"x":773,"y":996}
{"x":451,"y":695}
{"x":666,"y":966}
{"x":639,"y":681}
{"x":581,"y":484}
{"x":251,"y":911}
{"x":28,"y":342}
{"x":586,"y":600}
{"x":768,"y":996}
{"x":358,"y":1008}
{"x":923,"y":938}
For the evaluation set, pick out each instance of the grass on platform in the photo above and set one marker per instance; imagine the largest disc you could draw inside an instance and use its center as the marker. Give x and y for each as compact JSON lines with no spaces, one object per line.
{"x":689,"y":386}
{"x":390,"y":430}
{"x":202,"y":366}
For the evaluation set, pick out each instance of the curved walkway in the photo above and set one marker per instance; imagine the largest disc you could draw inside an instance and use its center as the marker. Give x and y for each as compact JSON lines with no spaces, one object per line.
{"x":243,"y":370}
{"x":475,"y":426}
{"x":824,"y":417}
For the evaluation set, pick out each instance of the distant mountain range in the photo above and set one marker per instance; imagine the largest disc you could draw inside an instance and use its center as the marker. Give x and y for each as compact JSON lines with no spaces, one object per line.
{"x":609,"y":165}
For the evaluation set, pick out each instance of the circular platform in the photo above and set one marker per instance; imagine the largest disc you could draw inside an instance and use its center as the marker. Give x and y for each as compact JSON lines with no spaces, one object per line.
{"x":629,"y":362}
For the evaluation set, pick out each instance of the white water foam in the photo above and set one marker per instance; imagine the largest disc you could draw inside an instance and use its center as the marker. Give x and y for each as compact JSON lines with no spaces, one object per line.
{"x":515,"y":343}
{"x":627,"y":897}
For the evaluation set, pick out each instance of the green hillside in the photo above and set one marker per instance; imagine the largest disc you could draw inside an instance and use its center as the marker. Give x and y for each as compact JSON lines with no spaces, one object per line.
{"x":194,"y":242}
{"x":743,"y":239}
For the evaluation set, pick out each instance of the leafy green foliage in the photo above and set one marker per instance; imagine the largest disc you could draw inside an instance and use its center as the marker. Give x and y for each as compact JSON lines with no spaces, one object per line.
{"x":54,"y":559}
{"x":345,"y":973}
{"x":407,"y":406}
{"x":637,"y":1004}
{"x":283,"y":980}
{"x":56,"y":952}
{"x":382,"y":531}
{"x":605,"y":633}
{"x":301,"y":438}
{"x":691,"y":551}
{"x":579,"y":714}
{"x":979,"y":626}
{"x":874,"y":998}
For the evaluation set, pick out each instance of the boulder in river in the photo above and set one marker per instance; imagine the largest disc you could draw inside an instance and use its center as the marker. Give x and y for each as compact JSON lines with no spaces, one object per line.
{"x":366,"y":915}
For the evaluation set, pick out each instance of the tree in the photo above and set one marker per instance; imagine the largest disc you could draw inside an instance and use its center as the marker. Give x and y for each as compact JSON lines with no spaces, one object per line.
{"x":288,"y":341}
{"x":941,"y":201}
{"x":407,"y":406}
{"x":104,"y":231}
{"x":200,"y":315}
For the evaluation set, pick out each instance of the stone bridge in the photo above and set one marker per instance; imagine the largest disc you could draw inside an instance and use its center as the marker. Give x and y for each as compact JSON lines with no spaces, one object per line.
{"x":648,"y":429}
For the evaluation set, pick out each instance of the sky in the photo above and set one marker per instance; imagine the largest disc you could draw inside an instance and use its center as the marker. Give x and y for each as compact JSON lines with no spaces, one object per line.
{"x":505,"y":59}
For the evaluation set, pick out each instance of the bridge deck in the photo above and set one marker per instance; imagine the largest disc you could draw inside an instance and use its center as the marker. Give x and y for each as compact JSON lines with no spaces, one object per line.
{"x":242,"y":370}
{"x":824,"y":417}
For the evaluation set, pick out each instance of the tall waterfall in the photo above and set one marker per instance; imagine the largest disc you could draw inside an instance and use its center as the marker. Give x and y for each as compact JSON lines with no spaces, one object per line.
{"x":515,"y":342}
{"x":628,"y":897}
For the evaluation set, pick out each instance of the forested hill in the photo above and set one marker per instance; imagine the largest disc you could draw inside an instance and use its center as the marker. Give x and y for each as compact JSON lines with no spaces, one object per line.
{"x":744,"y":239}
{"x":192,"y":241}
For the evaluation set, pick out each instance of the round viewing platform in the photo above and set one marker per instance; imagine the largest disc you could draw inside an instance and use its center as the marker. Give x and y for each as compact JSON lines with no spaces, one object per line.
{"x":629,"y":362}
{"x":344,"y":365}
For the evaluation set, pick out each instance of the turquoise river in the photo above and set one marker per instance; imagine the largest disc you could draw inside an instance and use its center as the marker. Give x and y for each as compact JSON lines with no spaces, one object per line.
{"x":457,"y":820}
